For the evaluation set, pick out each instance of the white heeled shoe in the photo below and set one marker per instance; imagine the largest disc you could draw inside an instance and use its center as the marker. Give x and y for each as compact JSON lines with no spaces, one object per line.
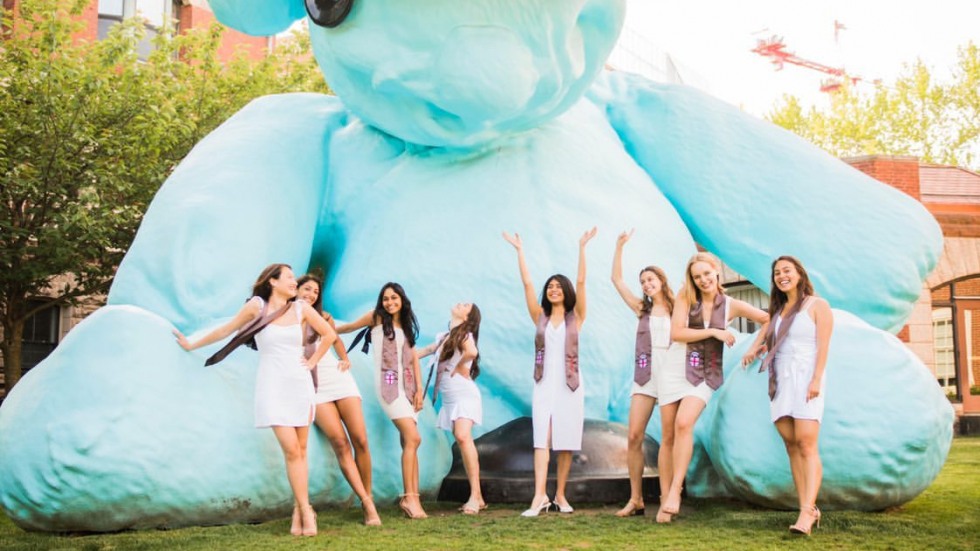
{"x":535,"y":511}
{"x":566,"y":508}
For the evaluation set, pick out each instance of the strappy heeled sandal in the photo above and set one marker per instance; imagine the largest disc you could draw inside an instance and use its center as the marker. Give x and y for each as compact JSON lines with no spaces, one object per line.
{"x":631,"y":510}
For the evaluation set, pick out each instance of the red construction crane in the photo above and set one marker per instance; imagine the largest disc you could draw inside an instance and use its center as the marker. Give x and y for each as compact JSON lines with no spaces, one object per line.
{"x":775,"y":49}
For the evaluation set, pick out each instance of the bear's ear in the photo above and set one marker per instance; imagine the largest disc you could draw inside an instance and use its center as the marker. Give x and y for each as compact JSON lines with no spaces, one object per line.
{"x":258,"y":17}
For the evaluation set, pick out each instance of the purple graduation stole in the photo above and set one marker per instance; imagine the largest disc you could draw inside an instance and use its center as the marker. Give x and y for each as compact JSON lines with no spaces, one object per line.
{"x":773,"y":341}
{"x":389,"y":370}
{"x":644,"y":349}
{"x":310,"y":339}
{"x":704,"y":357}
{"x":571,"y":350}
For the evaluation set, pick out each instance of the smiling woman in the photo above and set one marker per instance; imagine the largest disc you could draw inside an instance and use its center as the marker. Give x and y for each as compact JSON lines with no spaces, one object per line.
{"x":393,"y":330}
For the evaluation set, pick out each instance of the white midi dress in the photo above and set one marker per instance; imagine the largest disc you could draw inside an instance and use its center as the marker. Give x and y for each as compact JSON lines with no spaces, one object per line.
{"x":460,"y":395}
{"x":401,"y":406}
{"x":659,"y":347}
{"x":796,"y":360}
{"x":332,"y":383}
{"x":673,"y":384}
{"x":553,"y":402}
{"x":283,"y":385}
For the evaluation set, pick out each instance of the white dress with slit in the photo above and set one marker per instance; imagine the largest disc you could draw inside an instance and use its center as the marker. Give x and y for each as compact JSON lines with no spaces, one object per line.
{"x":553,"y":401}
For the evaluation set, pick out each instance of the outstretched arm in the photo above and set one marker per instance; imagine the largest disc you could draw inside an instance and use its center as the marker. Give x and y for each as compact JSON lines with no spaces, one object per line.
{"x":631,"y":300}
{"x":248,"y":312}
{"x":363,"y":321}
{"x":533,"y":308}
{"x":580,"y":302}
{"x":742,"y":309}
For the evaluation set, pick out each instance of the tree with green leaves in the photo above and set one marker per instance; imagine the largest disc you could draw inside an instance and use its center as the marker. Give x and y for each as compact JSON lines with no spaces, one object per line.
{"x":939,"y":122}
{"x":89,"y":132}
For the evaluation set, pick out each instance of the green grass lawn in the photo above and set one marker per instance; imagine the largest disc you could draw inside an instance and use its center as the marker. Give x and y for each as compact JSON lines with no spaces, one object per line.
{"x":946,"y":516}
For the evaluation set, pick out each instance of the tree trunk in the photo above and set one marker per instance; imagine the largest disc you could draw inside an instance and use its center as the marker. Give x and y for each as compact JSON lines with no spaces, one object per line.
{"x":12,"y":345}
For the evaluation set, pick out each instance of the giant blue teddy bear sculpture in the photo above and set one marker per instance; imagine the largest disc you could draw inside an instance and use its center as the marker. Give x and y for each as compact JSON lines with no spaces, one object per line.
{"x":453,"y":121}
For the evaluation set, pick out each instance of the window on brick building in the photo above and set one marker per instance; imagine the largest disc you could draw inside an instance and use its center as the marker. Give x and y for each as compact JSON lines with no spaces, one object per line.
{"x":41,"y":332}
{"x":942,"y":335}
{"x":746,"y":292}
{"x":154,"y":12}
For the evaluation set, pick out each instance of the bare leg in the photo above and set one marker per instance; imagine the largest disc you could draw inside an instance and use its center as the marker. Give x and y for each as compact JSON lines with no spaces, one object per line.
{"x":787,"y":431}
{"x":292,"y":440}
{"x":329,"y":421}
{"x":563,"y":465}
{"x":541,"y":458}
{"x":807,"y":433}
{"x":665,"y":458}
{"x":687,"y":415}
{"x":353,"y":418}
{"x":411,"y":440}
{"x":641,"y":407}
{"x":463,"y":431}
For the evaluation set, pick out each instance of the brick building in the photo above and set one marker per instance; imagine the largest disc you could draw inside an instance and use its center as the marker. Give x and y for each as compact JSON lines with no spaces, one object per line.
{"x":183,"y":15}
{"x":944,"y":327}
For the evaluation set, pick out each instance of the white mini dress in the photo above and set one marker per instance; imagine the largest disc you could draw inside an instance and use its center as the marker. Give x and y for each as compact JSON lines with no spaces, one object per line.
{"x":332,"y":383}
{"x":460,"y":395}
{"x":796,"y":360}
{"x":283,"y":385}
{"x":673,"y":384}
{"x":660,"y":345}
{"x":401,"y":406}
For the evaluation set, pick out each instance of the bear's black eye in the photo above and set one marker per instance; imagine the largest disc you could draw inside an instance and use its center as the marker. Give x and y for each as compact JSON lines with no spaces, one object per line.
{"x":328,"y":13}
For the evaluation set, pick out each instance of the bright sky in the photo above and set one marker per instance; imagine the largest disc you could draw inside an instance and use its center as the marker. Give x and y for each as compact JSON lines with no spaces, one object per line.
{"x":714,"y":38}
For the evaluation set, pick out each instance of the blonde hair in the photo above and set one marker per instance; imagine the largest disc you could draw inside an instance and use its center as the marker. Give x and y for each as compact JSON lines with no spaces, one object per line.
{"x":691,"y":293}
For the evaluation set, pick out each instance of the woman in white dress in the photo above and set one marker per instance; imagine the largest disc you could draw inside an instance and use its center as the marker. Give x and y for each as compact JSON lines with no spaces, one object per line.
{"x":457,"y":367}
{"x":558,"y":402}
{"x":338,"y":406}
{"x":393,"y":332}
{"x":692,"y":373}
{"x":796,"y":343}
{"x":283,"y":387}
{"x":652,"y":349}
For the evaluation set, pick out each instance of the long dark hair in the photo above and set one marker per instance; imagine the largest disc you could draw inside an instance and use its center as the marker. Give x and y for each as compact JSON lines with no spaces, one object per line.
{"x":407,"y":319}
{"x":777,"y":298}
{"x":647,"y":305}
{"x":318,"y":303}
{"x":567,"y":289}
{"x":458,"y":334}
{"x":311,"y":335}
{"x":262,"y":288}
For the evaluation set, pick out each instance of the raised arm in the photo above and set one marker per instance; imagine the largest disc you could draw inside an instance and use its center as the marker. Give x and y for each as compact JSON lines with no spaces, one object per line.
{"x":533,"y":308}
{"x":469,"y":349}
{"x":248,"y":312}
{"x":631,"y":300}
{"x":363,"y":321}
{"x":824,"y":319}
{"x":580,"y":302}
